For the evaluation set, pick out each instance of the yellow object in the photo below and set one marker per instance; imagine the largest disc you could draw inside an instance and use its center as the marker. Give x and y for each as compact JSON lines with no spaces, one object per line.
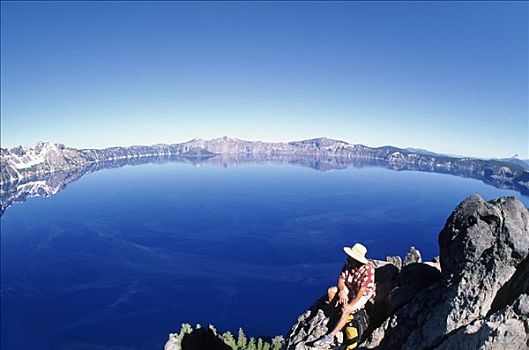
{"x":350,"y":334}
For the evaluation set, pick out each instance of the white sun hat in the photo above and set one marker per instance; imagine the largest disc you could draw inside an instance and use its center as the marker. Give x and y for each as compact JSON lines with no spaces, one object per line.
{"x":357,"y":252}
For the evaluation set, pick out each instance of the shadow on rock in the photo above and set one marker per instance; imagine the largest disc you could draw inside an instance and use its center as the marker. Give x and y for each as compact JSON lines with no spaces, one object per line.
{"x":201,"y":339}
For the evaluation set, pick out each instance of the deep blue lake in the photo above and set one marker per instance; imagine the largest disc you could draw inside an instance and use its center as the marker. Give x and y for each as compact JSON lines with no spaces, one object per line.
{"x":122,"y":257}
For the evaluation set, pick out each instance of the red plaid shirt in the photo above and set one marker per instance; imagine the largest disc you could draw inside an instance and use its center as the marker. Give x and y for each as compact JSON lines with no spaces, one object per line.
{"x":355,"y":279}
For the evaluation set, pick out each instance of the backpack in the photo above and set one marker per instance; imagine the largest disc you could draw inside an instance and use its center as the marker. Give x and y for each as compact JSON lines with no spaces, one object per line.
{"x":354,"y":329}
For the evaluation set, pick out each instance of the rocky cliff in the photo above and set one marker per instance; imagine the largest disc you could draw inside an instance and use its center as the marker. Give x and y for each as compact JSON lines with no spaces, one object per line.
{"x":22,"y":163}
{"x":44,"y":158}
{"x":477,"y":298}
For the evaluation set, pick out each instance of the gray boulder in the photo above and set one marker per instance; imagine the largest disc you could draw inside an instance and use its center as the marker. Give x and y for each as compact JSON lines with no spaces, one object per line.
{"x":481,"y":300}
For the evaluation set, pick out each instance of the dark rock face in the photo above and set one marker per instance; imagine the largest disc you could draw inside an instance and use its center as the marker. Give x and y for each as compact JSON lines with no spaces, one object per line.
{"x":387,"y":279}
{"x":395,"y":260}
{"x":481,"y":301}
{"x":201,"y":339}
{"x":397,"y":285}
{"x":197,"y":339}
{"x":412,"y":279}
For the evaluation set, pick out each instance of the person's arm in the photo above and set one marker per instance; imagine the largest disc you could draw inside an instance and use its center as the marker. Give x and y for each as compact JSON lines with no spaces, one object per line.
{"x":342,"y":293}
{"x":341,"y":283}
{"x":352,"y":304}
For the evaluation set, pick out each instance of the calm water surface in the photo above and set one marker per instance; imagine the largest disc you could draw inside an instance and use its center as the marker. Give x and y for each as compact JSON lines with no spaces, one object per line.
{"x":123,"y":256}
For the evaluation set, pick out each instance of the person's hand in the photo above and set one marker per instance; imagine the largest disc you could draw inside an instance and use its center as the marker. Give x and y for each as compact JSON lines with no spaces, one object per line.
{"x":348,"y":308}
{"x":342,"y":297}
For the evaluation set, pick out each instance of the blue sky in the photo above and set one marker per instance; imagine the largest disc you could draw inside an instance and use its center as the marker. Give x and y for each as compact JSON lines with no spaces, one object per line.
{"x":449,"y":77}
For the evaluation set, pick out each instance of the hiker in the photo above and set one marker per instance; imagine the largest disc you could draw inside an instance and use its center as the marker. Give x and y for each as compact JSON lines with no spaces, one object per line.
{"x":356,"y":285}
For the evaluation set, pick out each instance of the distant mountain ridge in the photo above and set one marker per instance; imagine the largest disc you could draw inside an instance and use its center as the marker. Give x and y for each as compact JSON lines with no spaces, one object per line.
{"x":22,"y":163}
{"x":524,"y":163}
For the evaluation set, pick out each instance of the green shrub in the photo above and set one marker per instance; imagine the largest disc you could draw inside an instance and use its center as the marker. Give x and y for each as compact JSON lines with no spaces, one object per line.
{"x":241,"y":343}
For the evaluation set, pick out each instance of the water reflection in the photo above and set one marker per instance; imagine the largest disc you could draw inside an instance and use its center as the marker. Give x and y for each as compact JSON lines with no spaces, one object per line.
{"x":50,"y":184}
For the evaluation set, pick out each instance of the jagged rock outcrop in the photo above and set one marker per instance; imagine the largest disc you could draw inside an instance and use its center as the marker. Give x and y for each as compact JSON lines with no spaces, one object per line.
{"x":413,"y":256}
{"x":478,"y":299}
{"x":481,"y":301}
{"x":310,"y":326}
